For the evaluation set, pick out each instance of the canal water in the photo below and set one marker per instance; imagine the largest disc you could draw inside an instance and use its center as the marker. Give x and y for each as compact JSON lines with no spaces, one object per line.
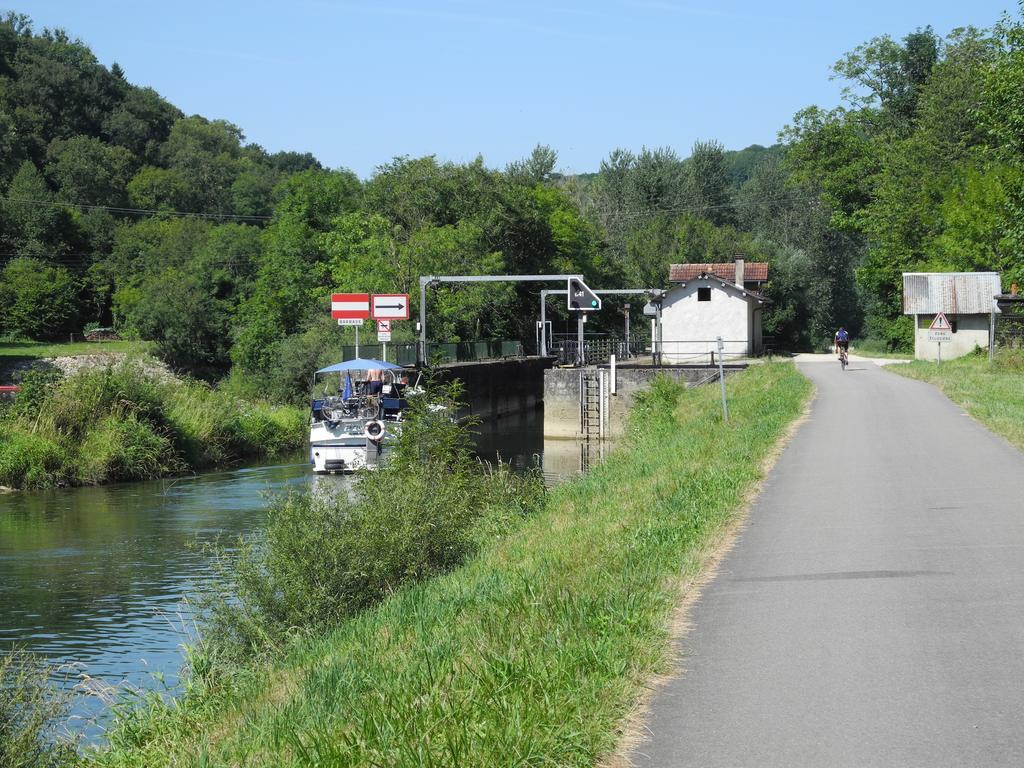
{"x":94,"y":579}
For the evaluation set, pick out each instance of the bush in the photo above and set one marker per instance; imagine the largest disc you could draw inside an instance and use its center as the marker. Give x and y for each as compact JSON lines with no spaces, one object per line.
{"x":29,"y":708}
{"x":31,"y":461}
{"x":323,"y":557}
{"x":1009,"y":360}
{"x":39,"y":300}
{"x":125,"y":448}
{"x":121,"y":423}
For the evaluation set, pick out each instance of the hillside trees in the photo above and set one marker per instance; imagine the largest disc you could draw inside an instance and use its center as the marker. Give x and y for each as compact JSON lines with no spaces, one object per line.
{"x":920,"y":163}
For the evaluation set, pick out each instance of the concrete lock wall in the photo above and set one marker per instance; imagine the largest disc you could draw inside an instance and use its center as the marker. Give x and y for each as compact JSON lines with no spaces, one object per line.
{"x":496,"y":388}
{"x":971,"y":332}
{"x":562,"y":394}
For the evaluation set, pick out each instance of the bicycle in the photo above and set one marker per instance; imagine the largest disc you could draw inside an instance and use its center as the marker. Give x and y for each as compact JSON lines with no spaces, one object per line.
{"x":844,"y":359}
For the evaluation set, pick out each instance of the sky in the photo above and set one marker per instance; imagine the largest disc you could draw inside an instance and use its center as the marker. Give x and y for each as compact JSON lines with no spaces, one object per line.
{"x":359,"y":83}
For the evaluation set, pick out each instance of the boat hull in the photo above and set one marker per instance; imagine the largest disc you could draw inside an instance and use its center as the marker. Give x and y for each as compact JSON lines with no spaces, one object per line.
{"x":335,"y":449}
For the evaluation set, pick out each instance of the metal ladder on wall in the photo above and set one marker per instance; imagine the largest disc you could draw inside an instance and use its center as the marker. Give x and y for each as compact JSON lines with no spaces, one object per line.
{"x":592,"y":417}
{"x":590,"y":405}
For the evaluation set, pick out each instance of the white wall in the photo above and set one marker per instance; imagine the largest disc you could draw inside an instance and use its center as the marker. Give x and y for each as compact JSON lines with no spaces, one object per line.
{"x":690,"y":327}
{"x":971,"y":332}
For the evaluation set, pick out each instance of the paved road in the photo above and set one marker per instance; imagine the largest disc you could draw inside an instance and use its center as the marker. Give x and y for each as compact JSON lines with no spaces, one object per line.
{"x":872,"y":612}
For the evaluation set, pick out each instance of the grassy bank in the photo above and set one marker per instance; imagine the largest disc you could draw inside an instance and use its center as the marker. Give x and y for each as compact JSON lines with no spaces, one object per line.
{"x":32,"y":350}
{"x":993,"y":393}
{"x":534,"y":651}
{"x":122,"y":423}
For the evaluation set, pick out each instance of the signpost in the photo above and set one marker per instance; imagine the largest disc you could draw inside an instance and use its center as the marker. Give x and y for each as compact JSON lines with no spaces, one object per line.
{"x":940,"y":331}
{"x":390,"y":306}
{"x":721,"y":378}
{"x":351,"y":309}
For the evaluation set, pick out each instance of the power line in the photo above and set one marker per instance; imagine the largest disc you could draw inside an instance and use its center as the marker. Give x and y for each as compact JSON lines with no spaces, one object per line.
{"x":136,"y":211}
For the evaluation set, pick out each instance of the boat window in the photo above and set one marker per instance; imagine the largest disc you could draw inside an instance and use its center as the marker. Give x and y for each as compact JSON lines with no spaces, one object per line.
{"x":703,"y":294}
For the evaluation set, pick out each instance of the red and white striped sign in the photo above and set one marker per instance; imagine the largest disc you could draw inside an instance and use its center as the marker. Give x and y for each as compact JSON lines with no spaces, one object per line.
{"x":350,"y":306}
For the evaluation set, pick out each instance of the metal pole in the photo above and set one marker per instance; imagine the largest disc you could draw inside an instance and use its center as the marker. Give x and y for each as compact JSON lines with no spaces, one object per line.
{"x":357,"y":341}
{"x":421,"y":348}
{"x":613,"y":373}
{"x":992,"y":332}
{"x":384,"y":351}
{"x":940,"y":352}
{"x":579,"y":338}
{"x":721,"y":378}
{"x":625,"y":312}
{"x":542,"y":349}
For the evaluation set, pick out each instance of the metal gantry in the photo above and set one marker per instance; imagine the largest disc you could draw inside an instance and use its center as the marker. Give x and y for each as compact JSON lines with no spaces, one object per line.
{"x":426,"y":280}
{"x":543,"y":348}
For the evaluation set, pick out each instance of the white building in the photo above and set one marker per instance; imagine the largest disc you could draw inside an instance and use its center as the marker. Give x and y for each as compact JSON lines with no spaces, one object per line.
{"x":712,"y":300}
{"x":966,"y":298}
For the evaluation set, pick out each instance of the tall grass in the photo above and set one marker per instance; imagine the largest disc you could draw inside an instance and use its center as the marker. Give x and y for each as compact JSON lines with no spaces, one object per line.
{"x":534,"y":651}
{"x":122,"y":423}
{"x":993,"y":392}
{"x":29,"y":711}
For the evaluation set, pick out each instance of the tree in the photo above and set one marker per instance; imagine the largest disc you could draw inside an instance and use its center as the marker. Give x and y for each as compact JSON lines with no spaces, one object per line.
{"x":86,"y":171}
{"x":40,"y":301}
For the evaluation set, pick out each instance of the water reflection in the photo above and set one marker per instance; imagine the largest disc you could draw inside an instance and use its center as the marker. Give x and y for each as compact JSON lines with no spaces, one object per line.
{"x":95,"y":577}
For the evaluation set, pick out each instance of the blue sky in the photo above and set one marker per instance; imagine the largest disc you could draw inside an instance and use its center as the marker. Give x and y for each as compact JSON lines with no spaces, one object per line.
{"x":358,"y":83}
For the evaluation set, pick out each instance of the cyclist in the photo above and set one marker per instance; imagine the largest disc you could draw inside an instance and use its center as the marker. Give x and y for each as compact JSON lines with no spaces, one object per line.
{"x":842,"y":340}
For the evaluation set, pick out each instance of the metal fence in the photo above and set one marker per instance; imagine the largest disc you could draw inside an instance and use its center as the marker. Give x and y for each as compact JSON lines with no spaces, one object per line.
{"x":567,"y":351}
{"x":1009,"y":322}
{"x":643,"y":352}
{"x":437,"y":353}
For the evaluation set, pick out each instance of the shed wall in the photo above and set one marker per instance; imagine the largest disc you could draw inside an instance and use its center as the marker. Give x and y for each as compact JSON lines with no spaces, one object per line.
{"x":972,"y":332}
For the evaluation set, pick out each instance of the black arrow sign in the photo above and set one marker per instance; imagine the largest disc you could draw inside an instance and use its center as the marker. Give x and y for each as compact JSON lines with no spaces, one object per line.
{"x":389,"y":306}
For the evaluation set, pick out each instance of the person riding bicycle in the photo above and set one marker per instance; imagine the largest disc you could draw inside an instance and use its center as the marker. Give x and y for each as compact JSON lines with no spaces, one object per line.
{"x":842,"y":340}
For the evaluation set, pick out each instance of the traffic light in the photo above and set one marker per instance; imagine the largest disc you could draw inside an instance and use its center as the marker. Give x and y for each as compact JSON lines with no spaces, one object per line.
{"x":581,"y":298}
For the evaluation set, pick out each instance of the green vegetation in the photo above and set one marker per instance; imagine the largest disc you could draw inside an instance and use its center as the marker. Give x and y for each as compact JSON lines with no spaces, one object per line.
{"x":121,"y":423}
{"x":531,"y":653}
{"x":876,"y":348}
{"x":39,"y":349}
{"x":29,"y":709}
{"x":993,"y":393}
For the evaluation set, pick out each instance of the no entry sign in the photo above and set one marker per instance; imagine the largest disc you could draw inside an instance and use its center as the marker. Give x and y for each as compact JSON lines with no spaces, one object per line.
{"x":350,"y":306}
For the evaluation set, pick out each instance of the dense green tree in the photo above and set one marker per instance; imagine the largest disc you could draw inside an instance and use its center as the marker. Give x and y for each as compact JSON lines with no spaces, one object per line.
{"x":86,"y":171}
{"x":39,"y":300}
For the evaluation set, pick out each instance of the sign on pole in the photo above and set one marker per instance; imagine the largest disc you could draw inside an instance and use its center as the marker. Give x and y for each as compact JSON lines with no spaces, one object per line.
{"x":581,"y":298}
{"x":390,"y":306}
{"x":383,"y":330}
{"x":356,"y":321}
{"x":350,"y":306}
{"x":940,"y":323}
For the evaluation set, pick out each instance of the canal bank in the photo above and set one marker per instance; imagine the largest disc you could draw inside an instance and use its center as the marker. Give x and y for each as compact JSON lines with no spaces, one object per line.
{"x":93,"y":578}
{"x":539,"y":646}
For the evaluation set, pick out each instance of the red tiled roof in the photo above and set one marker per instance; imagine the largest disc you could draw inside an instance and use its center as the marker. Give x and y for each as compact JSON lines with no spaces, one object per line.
{"x":753,"y":271}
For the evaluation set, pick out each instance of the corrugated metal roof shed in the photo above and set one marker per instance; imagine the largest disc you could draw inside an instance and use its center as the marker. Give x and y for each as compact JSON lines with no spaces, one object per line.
{"x":957,"y":293}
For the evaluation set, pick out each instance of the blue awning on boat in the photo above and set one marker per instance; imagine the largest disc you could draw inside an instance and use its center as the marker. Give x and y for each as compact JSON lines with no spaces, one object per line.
{"x":360,"y":364}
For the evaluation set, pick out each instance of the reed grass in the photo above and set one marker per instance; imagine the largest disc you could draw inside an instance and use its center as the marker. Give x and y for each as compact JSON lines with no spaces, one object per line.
{"x":534,"y":651}
{"x":123,"y":423}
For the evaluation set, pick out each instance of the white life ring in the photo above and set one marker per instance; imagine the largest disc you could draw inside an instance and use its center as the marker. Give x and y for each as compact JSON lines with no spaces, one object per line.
{"x":374,"y":431}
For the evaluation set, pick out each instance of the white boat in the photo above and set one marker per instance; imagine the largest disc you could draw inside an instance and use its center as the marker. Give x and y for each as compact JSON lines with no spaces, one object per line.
{"x":353,"y":422}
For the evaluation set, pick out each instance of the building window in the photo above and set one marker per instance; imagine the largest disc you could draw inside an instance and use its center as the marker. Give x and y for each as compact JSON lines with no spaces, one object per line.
{"x":703,"y":294}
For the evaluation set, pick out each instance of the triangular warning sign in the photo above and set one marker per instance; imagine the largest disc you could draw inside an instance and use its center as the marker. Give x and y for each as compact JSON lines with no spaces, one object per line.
{"x":940,"y":323}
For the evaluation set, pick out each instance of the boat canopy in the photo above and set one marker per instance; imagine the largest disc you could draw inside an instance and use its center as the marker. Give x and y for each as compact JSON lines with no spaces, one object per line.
{"x":360,"y":364}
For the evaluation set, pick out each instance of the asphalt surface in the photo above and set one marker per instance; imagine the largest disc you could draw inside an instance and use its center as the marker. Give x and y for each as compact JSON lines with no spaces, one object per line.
{"x":872,"y":610}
